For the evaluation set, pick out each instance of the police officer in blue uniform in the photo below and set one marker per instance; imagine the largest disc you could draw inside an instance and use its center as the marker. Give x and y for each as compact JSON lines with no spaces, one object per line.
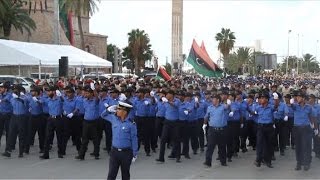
{"x":265,"y":130}
{"x":124,"y":140}
{"x":5,"y":109}
{"x":170,"y":124}
{"x":54,"y":123}
{"x":90,"y":123}
{"x":37,"y":123}
{"x":18,"y":122}
{"x":304,"y":126}
{"x":217,"y":132}
{"x":69,"y":112}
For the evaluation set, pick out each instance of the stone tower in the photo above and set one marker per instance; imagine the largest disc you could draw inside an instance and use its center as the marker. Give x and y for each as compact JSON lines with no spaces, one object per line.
{"x":177,"y":27}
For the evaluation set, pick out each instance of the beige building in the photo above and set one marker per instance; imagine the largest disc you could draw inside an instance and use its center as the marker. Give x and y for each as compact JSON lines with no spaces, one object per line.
{"x":177,"y":34}
{"x":43,"y":15}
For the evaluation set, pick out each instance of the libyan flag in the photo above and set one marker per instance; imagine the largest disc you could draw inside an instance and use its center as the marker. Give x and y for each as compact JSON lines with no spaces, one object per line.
{"x":202,"y":63}
{"x":162,"y":73}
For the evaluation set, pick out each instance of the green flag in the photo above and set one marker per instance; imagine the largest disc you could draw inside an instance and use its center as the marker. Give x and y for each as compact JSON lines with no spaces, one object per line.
{"x":202,"y":63}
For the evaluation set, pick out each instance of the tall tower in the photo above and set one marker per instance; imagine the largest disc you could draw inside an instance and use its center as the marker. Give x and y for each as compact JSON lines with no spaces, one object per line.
{"x":177,"y":26}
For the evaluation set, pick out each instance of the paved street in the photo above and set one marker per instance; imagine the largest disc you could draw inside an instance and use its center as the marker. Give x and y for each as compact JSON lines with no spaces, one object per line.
{"x":31,"y":167}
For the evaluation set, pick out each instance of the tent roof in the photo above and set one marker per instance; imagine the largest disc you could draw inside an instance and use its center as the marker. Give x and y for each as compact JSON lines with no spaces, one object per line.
{"x":24,"y":53}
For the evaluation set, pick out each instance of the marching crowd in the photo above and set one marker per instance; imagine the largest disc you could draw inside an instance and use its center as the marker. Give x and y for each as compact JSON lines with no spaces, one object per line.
{"x":268,"y":114}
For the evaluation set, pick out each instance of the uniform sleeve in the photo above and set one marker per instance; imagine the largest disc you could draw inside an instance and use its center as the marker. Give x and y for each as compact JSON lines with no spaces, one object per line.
{"x":207,"y":113}
{"x":134,"y":139}
{"x":108,"y":116}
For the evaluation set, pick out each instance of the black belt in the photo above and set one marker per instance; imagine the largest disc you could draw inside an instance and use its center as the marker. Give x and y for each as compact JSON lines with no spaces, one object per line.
{"x":121,"y":149}
{"x":55,"y":117}
{"x":265,"y":125}
{"x":218,"y":128}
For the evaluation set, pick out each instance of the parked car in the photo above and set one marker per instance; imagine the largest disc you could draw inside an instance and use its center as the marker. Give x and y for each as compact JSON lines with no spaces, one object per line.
{"x":24,"y":81}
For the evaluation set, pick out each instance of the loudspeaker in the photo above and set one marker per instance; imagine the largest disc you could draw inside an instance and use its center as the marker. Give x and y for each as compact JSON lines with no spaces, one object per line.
{"x":63,"y":66}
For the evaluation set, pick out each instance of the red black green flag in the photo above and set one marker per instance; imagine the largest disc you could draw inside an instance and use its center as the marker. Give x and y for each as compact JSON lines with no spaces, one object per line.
{"x":202,"y":63}
{"x":162,"y":73}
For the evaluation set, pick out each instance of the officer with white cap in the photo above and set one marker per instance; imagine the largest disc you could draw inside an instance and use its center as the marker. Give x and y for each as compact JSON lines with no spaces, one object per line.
{"x":124,"y":140}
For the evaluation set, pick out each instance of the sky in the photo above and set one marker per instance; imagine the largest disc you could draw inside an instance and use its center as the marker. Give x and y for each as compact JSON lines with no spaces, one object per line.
{"x":267,"y":21}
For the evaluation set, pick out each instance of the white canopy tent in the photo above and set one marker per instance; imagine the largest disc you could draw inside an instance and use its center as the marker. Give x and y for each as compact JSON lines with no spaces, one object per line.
{"x":46,"y":55}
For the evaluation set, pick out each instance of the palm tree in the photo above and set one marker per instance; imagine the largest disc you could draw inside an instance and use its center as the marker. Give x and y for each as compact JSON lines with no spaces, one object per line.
{"x":244,"y":57}
{"x":80,"y":8}
{"x":309,"y":61}
{"x":139,"y":48}
{"x":226,"y":41}
{"x":13,"y":15}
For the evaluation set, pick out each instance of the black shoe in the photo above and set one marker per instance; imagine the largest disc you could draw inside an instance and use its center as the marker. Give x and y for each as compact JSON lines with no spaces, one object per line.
{"x":63,"y":153}
{"x":282,"y":153}
{"x":96,"y":157}
{"x":26,"y":152}
{"x":160,"y":160}
{"x":244,"y":150}
{"x":91,"y":154}
{"x":229,"y":160}
{"x":223,"y":164}
{"x":148,"y":154}
{"x":254,"y":148}
{"x":269,"y":165}
{"x":298,"y":168}
{"x":6,"y":154}
{"x":44,"y":157}
{"x":171,"y":157}
{"x":273,"y":158}
{"x":207,"y":165}
{"x":80,"y":157}
{"x":187,"y":156}
{"x":306,"y":167}
{"x":60,"y":156}
{"x":178,"y":160}
{"x":258,"y":164}
{"x":20,"y":155}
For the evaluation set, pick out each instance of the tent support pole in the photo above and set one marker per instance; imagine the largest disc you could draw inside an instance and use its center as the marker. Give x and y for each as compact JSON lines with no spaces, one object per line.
{"x":39,"y":69}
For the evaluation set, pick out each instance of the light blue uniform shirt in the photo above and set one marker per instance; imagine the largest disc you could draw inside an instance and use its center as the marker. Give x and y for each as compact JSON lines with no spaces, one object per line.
{"x":55,"y":106}
{"x":302,"y":114}
{"x":5,"y":105}
{"x":265,"y":114}
{"x":124,"y":133}
{"x":91,"y":109}
{"x":172,"y":111}
{"x":216,"y":115}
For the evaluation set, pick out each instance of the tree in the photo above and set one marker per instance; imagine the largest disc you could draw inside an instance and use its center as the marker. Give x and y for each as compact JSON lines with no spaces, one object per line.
{"x":110,"y":53}
{"x":138,"y":49}
{"x":80,"y":8}
{"x":309,"y":63}
{"x":13,"y":15}
{"x":226,"y":39}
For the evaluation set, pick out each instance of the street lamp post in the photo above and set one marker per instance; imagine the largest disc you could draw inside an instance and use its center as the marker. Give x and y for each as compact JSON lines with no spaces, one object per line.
{"x":288,"y":51}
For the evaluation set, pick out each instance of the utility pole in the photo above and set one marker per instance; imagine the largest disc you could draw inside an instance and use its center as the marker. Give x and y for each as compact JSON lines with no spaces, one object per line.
{"x":116,"y":60}
{"x":288,"y":52}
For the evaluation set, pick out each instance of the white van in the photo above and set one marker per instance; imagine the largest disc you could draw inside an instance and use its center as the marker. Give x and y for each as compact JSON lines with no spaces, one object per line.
{"x":24,"y":81}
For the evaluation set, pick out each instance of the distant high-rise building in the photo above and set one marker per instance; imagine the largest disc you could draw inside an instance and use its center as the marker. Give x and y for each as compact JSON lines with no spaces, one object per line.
{"x":177,"y":33}
{"x":257,"y":45}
